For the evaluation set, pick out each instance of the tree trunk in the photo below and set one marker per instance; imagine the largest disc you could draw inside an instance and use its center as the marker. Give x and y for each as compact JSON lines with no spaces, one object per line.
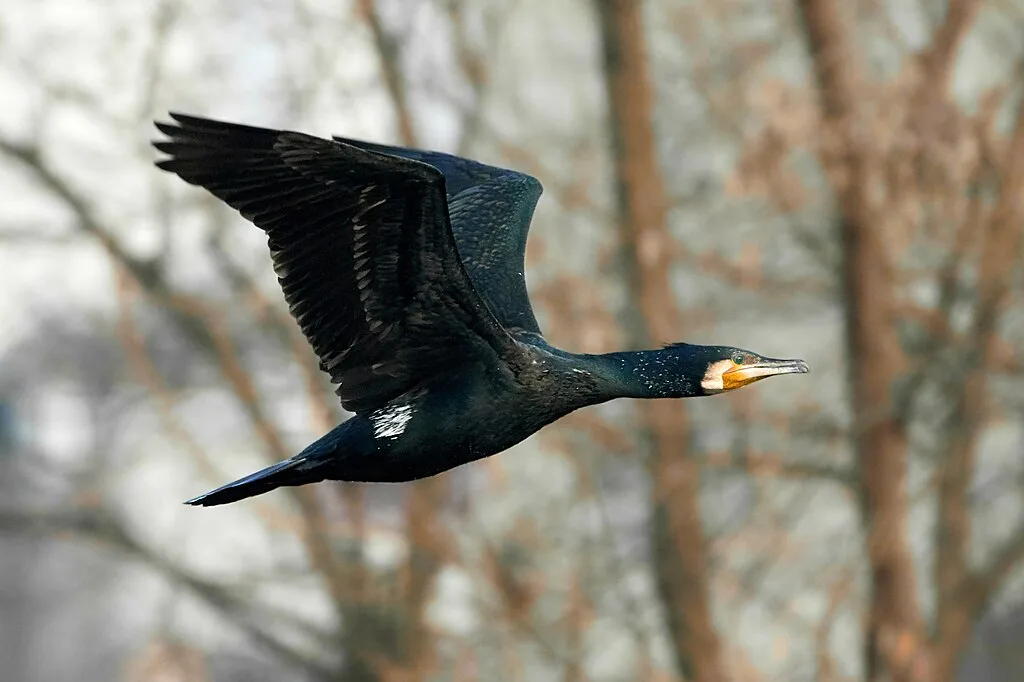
{"x":893,"y":638}
{"x":680,"y":561}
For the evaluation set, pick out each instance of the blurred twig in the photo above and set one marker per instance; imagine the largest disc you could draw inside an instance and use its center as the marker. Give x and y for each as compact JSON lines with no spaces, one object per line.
{"x":391,"y":67}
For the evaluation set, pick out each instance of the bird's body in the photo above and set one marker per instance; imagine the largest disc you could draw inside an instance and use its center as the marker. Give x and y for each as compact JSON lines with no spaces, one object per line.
{"x":468,"y":416}
{"x":404,"y":269}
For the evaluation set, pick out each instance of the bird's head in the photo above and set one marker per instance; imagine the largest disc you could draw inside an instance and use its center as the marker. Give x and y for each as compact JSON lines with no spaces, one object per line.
{"x":727,"y":368}
{"x":683,"y":370}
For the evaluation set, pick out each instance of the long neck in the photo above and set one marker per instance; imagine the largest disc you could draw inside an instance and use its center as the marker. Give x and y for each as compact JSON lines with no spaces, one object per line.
{"x":672,"y":372}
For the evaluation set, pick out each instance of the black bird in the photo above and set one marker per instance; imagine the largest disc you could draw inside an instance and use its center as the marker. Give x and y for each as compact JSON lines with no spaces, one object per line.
{"x":404,"y":269}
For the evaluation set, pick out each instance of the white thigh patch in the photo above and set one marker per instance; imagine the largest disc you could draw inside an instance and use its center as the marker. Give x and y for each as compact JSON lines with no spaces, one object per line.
{"x":390,"y":422}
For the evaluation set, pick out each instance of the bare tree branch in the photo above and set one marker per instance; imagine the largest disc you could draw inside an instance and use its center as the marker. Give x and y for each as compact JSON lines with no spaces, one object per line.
{"x":104,"y":527}
{"x":208,"y":330}
{"x":1002,"y":239}
{"x":390,"y":65}
{"x":942,"y":53}
{"x":31,"y":159}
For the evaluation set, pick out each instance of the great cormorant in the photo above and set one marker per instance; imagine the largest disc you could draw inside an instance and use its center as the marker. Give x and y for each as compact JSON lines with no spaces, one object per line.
{"x":404,"y":269}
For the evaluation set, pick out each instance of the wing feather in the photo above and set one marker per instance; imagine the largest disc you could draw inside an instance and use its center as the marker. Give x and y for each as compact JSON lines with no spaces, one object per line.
{"x":363,"y":249}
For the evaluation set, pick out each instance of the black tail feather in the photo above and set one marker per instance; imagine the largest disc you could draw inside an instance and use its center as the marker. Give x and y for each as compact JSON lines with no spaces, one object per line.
{"x":298,"y":470}
{"x":336,"y":456}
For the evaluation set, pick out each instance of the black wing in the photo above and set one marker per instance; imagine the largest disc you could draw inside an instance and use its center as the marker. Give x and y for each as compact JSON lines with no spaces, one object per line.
{"x":362,"y":247}
{"x":490,"y":211}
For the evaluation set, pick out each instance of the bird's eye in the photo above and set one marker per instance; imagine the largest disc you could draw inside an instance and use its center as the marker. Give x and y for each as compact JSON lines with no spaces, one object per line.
{"x":737,"y":358}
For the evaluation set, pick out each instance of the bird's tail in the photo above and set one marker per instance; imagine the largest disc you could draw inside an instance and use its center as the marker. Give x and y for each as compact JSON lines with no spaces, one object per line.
{"x":301,"y":469}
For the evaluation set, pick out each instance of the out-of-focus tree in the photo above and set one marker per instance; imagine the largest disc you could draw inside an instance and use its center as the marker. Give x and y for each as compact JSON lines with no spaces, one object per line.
{"x":677,"y":537}
{"x":928,"y":224}
{"x":819,"y":179}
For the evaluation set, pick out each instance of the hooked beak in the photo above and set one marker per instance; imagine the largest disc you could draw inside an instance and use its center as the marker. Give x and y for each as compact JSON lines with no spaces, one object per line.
{"x":741,"y":375}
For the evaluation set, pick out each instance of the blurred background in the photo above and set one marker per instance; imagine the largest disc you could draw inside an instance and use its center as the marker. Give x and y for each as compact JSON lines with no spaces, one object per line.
{"x":841,"y":181}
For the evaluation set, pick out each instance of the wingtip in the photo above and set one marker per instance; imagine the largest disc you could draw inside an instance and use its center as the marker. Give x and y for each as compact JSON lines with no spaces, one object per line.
{"x":165,"y":165}
{"x":166,"y":128}
{"x":184,"y":119}
{"x":180,"y":122}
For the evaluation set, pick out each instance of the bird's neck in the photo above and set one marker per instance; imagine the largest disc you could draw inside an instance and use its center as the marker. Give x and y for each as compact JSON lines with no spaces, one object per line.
{"x":672,"y":372}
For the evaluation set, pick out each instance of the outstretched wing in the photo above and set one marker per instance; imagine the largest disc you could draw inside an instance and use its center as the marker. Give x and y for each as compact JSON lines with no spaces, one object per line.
{"x":362,"y":247}
{"x":490,"y":211}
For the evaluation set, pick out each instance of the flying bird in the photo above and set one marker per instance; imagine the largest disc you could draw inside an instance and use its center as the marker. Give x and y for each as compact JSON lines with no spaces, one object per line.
{"x":404,"y":270}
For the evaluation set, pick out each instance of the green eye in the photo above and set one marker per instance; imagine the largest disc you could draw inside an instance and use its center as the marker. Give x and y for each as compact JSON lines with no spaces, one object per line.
{"x":737,"y":358}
